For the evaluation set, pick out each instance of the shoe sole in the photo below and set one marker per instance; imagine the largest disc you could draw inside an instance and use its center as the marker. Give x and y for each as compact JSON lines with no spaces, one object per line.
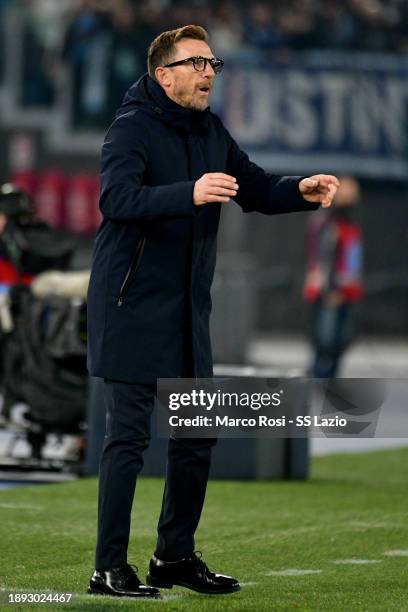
{"x":92,"y":591}
{"x":153,"y":582}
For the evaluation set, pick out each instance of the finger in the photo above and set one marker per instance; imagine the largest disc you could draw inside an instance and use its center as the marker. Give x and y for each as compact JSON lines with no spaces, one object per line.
{"x":222,"y":191}
{"x":309,"y":184}
{"x":221,"y":175}
{"x":323,"y":190}
{"x":335,"y":181}
{"x":313,"y":197}
{"x":215,"y":198}
{"x":332,"y":191}
{"x":328,"y":195}
{"x":327,"y":179}
{"x":224,"y":183}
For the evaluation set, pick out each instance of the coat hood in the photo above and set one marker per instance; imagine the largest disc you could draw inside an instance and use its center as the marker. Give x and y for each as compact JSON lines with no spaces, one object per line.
{"x":150,"y":97}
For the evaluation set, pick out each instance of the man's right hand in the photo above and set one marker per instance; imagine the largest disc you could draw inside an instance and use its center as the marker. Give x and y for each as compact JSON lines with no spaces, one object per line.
{"x":214,"y":187}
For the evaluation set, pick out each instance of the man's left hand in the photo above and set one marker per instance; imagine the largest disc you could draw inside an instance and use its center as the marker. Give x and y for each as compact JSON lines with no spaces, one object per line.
{"x":319,"y":188}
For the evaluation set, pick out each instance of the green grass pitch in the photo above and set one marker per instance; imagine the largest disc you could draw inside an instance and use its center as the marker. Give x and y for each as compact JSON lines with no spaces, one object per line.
{"x":354,"y":507}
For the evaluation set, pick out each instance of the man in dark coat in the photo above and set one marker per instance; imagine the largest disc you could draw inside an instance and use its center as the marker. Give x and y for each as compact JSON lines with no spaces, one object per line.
{"x":168,"y":164}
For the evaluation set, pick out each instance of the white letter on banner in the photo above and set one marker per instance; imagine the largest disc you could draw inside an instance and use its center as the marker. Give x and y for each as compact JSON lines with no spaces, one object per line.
{"x":336,"y":91}
{"x":392,"y":114}
{"x":378,"y":115}
{"x":250,"y":106}
{"x":364,"y":115}
{"x":301,"y":126}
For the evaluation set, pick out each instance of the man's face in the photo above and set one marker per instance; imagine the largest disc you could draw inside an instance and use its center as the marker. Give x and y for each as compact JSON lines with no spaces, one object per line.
{"x":184,"y":84}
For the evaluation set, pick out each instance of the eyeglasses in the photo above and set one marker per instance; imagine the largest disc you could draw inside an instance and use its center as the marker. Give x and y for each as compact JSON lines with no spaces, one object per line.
{"x":200,"y":63}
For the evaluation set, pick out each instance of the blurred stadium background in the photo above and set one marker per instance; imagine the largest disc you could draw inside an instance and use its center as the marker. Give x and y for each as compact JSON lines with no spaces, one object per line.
{"x":309,"y":86}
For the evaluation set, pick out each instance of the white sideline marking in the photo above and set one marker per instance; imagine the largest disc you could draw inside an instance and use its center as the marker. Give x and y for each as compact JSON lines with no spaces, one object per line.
{"x":21,"y":507}
{"x":356,"y":561}
{"x":396,"y":553}
{"x":245,"y":584}
{"x":292,"y":572}
{"x":280,"y":533}
{"x":376,"y":525}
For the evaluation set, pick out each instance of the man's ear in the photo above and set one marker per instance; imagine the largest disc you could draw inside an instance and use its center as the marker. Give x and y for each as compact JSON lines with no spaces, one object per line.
{"x":163,"y":76}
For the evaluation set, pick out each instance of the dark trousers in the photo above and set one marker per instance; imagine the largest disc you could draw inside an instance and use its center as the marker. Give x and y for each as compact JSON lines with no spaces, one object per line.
{"x":129,"y":408}
{"x":332,"y":333}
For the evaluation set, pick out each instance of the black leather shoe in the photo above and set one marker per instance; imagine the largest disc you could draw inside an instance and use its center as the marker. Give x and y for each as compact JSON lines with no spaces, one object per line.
{"x":120,"y":581}
{"x":191,"y":573}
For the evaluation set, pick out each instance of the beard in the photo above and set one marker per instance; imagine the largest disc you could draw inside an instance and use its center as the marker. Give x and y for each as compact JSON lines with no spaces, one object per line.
{"x":190,"y":100}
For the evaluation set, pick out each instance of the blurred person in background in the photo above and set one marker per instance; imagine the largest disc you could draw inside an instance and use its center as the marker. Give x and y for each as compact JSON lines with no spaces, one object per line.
{"x":3,"y":6}
{"x":168,"y":164}
{"x":86,"y":50}
{"x":129,"y":38}
{"x":104,"y":47}
{"x":398,"y":15}
{"x":225,"y":27}
{"x":336,"y":26}
{"x":372,"y":24}
{"x":262,"y":28}
{"x":297,"y":22}
{"x":43,"y":27}
{"x":333,"y":283}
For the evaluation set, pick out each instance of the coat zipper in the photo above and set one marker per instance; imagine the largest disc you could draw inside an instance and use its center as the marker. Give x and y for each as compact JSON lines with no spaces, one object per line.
{"x":132,"y":269}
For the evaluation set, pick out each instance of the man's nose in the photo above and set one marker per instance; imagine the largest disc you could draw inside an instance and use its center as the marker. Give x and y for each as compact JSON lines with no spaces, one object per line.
{"x":209,"y":70}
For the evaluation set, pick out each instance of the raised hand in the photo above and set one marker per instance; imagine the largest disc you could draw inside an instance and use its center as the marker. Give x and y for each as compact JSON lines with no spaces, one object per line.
{"x":319,"y":188}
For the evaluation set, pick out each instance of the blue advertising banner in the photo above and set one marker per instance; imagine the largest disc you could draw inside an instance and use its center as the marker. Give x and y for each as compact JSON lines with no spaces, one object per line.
{"x":335,"y":113}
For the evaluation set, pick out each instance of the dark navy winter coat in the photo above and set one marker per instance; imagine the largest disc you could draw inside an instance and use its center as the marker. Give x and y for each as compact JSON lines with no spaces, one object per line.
{"x":149,"y":295}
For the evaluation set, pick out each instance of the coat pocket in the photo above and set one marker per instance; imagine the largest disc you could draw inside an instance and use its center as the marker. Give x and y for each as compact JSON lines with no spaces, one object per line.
{"x":127,"y":281}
